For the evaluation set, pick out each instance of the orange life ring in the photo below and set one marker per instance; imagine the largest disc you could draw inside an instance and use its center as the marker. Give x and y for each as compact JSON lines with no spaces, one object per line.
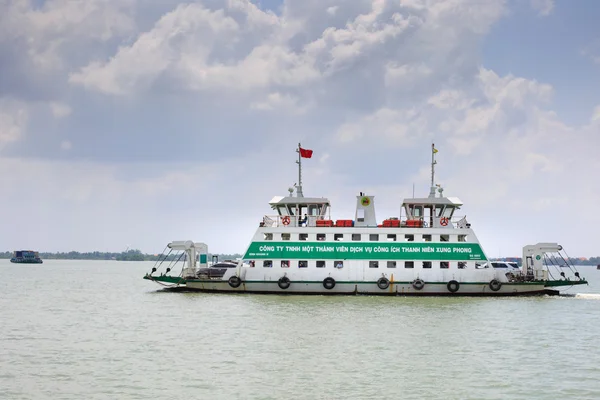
{"x":443,"y":221}
{"x":285,"y":220}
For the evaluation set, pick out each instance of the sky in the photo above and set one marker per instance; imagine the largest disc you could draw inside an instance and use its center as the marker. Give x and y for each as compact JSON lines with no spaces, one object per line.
{"x":131,"y":123}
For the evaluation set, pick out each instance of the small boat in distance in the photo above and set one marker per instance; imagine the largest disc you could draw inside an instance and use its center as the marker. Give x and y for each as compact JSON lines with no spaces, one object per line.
{"x":26,"y":257}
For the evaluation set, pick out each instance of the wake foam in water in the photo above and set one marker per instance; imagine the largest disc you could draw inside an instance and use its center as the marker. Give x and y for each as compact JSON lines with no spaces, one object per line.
{"x":589,"y":296}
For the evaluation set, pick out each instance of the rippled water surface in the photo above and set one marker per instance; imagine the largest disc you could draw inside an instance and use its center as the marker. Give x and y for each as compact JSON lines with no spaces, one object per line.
{"x":96,"y":330}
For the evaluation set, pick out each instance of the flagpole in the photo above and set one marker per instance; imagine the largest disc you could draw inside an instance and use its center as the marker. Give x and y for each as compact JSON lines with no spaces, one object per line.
{"x":432,"y":190}
{"x":299,"y":186}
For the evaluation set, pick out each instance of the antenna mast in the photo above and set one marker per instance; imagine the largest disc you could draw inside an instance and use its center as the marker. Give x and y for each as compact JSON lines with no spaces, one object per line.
{"x":299,"y":162}
{"x":433,"y":162}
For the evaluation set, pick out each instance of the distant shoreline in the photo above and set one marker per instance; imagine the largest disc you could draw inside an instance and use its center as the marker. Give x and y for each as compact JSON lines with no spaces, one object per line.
{"x":130,"y":255}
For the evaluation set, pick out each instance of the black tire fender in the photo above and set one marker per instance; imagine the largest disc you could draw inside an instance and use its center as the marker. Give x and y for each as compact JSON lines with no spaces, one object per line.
{"x":234,"y":281}
{"x":453,"y":286}
{"x":383,"y":283}
{"x":284,"y":282}
{"x":495,"y":285}
{"x":329,"y":283}
{"x":418,"y":284}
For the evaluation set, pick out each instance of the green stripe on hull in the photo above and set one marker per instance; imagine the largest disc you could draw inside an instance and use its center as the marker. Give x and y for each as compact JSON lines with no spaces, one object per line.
{"x":366,"y":251}
{"x":166,"y":279}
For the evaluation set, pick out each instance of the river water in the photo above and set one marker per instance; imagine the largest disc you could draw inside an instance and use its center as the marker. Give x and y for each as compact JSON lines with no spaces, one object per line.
{"x":96,"y":330}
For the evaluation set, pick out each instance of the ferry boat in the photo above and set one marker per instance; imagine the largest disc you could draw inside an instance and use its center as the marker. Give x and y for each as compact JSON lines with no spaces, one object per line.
{"x":26,"y":257}
{"x":427,"y":250}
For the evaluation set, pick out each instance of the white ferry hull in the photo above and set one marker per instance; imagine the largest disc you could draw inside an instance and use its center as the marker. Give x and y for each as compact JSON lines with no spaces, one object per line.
{"x":369,"y":288}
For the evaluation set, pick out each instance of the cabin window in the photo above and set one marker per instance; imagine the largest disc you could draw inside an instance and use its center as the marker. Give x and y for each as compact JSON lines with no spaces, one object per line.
{"x":438,"y":211}
{"x":338,"y":264}
{"x":409,"y":264}
{"x":285,"y":263}
{"x":444,"y":264}
{"x":356,"y":237}
{"x":320,"y":264}
{"x":418,"y":212}
{"x":409,"y":238}
{"x":448,"y":212}
{"x":391,"y":264}
{"x":321,"y":237}
{"x":462,"y":265}
{"x":444,"y":238}
{"x":303,"y":264}
{"x":303,"y":236}
{"x":373,"y":264}
{"x":462,"y":238}
{"x":426,"y":264}
{"x":283,"y":210}
{"x":338,"y":237}
{"x":427,"y":238}
{"x":374,"y":237}
{"x":267,"y":236}
{"x":268,"y":264}
{"x":285,"y":236}
{"x":391,"y":237}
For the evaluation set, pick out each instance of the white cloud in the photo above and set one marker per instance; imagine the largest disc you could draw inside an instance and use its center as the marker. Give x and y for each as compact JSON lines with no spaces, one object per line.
{"x":13,"y":120}
{"x":66,"y":145}
{"x":543,"y":7}
{"x":47,"y":30}
{"x":60,"y":110}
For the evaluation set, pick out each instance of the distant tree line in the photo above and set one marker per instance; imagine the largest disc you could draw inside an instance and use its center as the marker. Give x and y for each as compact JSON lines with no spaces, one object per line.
{"x":572,"y":260}
{"x":129,"y":255}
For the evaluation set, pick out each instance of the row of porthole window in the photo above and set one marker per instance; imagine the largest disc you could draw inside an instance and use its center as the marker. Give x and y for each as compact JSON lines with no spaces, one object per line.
{"x":372,"y":264}
{"x":373,"y":237}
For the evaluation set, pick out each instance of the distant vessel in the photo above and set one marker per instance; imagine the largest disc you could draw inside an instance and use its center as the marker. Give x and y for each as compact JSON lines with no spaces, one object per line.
{"x":26,"y":257}
{"x":427,"y":251}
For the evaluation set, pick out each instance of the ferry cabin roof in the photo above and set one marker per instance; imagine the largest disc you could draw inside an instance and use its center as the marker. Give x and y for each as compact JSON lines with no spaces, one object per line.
{"x":433,"y":212}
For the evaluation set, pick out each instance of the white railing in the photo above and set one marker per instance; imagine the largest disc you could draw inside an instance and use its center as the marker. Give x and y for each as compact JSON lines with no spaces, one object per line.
{"x":289,"y":220}
{"x":272,"y":221}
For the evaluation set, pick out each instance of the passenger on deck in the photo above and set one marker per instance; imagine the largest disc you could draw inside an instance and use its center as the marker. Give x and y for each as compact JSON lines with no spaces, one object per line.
{"x":303,"y":221}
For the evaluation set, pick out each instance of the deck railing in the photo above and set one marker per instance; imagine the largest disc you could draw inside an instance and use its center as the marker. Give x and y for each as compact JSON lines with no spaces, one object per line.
{"x":273,"y":221}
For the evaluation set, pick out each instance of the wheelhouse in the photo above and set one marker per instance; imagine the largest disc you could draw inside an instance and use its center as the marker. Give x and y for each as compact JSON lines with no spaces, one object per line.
{"x":434,"y":212}
{"x":299,"y":211}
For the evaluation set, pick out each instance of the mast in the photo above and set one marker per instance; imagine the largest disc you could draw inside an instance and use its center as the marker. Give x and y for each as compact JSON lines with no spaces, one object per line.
{"x":299,"y":162}
{"x":433,"y":162}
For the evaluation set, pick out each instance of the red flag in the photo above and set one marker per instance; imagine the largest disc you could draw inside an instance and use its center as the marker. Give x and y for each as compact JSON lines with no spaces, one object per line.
{"x":305,"y":153}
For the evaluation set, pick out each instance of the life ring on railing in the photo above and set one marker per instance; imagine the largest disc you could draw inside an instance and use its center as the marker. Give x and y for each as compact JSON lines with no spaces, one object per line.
{"x":329,"y":283}
{"x":284,"y":282}
{"x":418,"y":284}
{"x":234,"y":281}
{"x":383,"y":283}
{"x":285,"y":220}
{"x":495,"y":285}
{"x":453,"y":286}
{"x":444,"y":221}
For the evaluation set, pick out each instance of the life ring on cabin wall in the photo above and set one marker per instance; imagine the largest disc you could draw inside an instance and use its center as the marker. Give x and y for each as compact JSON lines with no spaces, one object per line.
{"x":365,"y":201}
{"x":453,"y":286}
{"x":284,"y":282}
{"x":418,"y":284}
{"x":444,"y":221}
{"x":285,"y":220}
